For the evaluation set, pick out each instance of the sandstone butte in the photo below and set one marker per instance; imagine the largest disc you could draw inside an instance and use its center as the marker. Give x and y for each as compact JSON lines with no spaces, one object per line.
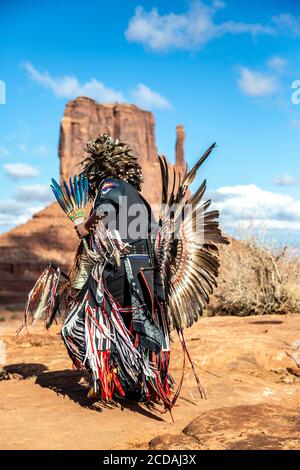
{"x":49,"y":236}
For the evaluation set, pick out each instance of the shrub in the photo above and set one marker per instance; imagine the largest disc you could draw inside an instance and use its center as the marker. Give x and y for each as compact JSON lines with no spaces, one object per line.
{"x":257,"y":280}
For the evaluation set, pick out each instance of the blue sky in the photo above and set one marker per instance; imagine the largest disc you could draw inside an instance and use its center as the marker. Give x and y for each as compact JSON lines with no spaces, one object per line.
{"x":223,"y":69}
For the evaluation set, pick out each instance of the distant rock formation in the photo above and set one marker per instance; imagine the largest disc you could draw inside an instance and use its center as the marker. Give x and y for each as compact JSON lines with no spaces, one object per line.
{"x":179,"y":148}
{"x":49,"y":236}
{"x":85,"y":119}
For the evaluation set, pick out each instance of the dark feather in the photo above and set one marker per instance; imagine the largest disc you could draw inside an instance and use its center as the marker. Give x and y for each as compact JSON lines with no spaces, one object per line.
{"x":189,"y":265}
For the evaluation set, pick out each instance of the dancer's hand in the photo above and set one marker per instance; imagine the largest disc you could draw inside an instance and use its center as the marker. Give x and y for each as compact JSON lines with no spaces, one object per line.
{"x":91,"y":223}
{"x":81,"y":231}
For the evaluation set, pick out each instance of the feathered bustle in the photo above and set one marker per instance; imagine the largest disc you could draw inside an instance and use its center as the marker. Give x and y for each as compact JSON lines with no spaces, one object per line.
{"x":186,"y":247}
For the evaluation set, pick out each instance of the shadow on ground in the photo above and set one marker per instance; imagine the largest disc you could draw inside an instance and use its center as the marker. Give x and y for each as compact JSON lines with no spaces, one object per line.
{"x":75,"y":385}
{"x":23,"y":371}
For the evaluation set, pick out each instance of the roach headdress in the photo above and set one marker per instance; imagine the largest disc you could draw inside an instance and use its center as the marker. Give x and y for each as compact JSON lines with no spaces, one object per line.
{"x":110,"y":158}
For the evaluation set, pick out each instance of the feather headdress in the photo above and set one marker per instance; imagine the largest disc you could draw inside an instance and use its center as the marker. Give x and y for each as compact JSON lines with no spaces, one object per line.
{"x":110,"y":158}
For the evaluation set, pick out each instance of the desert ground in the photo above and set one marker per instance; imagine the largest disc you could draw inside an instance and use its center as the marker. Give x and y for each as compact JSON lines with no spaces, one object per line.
{"x":249,"y":367}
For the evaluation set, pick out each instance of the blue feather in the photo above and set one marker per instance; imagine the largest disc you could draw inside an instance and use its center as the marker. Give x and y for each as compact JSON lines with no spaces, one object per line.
{"x":63,"y":196}
{"x":56,"y":185}
{"x":68,"y":195}
{"x":59,"y":199}
{"x":58,"y":193}
{"x":73,"y":198}
{"x":86,"y":190}
{"x":81,"y":190}
{"x":76,"y":191}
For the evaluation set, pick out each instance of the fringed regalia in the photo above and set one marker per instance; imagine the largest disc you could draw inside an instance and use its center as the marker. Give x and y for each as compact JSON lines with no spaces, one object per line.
{"x":124,"y":294}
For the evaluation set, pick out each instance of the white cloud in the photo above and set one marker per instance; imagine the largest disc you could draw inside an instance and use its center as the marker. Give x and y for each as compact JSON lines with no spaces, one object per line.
{"x":277,"y":63}
{"x":286,"y":180}
{"x":27,"y":200}
{"x":34,"y":192}
{"x":186,"y":31}
{"x":249,"y":204}
{"x":20,"y":170}
{"x":254,"y":83}
{"x":70,"y":87}
{"x":13,"y":212}
{"x":287,"y":24}
{"x":149,"y":99}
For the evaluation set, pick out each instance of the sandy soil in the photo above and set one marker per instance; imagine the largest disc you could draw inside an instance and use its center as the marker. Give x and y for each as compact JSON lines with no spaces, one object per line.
{"x":249,"y":367}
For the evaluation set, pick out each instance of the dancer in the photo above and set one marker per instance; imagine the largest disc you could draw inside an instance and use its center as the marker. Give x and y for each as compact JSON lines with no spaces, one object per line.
{"x":133,"y":280}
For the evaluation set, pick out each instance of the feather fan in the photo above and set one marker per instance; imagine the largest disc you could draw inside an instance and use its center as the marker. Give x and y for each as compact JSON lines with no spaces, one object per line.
{"x":72,"y":198}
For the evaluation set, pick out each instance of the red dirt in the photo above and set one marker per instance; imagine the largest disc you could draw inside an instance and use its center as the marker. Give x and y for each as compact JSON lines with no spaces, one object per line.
{"x":247,"y":366}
